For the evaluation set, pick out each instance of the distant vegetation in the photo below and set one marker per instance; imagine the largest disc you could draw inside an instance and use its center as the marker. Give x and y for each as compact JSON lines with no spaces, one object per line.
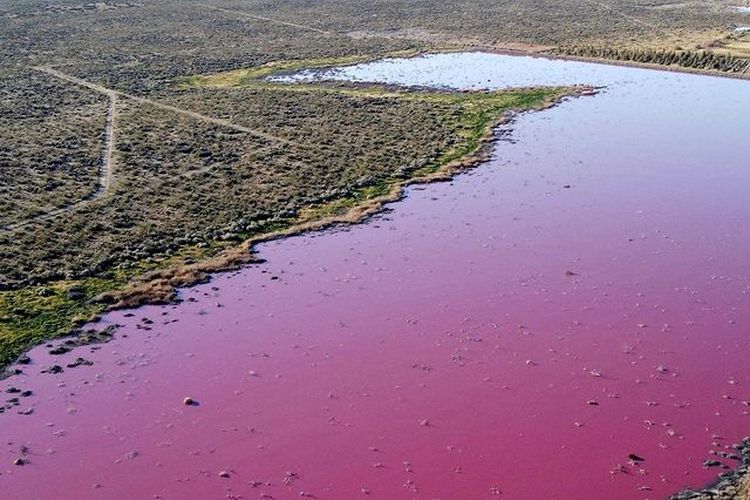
{"x":684,"y":58}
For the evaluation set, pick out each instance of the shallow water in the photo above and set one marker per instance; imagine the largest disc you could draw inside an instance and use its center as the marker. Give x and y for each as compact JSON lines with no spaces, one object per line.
{"x":518,"y":331}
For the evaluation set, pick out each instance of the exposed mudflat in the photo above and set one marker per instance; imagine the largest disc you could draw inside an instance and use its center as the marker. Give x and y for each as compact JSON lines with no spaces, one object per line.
{"x":569,"y":320}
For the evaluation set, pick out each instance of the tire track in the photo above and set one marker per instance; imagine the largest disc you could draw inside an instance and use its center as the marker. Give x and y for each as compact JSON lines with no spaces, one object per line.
{"x":168,"y":107}
{"x":628,"y":17}
{"x":267,"y":19}
{"x":106,"y":173}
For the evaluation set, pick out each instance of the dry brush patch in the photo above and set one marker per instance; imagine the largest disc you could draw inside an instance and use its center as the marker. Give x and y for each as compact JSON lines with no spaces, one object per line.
{"x":51,"y":143}
{"x":545,"y":22}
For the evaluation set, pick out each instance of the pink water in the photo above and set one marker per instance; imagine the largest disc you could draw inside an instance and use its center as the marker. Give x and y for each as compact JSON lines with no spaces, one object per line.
{"x":451,"y":347}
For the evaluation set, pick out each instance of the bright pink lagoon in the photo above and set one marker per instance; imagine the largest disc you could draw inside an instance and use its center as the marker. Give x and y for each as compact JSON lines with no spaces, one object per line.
{"x":518,"y":332}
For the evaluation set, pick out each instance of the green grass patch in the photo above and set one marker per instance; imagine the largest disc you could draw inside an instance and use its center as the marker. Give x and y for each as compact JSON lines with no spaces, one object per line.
{"x":240,"y":77}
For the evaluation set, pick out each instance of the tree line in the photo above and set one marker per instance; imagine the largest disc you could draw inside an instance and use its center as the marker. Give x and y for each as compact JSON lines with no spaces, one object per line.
{"x":686,"y":58}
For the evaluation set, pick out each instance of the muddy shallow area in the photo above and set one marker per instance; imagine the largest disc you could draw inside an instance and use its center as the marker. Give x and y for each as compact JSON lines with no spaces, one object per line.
{"x":569,"y":320}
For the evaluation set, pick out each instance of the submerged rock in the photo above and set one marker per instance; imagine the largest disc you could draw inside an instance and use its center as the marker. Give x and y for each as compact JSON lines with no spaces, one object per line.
{"x":61,"y":349}
{"x":80,"y":362}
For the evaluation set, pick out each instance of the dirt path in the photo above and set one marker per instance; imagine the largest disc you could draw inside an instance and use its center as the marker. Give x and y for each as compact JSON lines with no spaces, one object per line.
{"x":267,"y":19}
{"x":106,"y":174}
{"x":630,"y":18}
{"x":174,"y":109}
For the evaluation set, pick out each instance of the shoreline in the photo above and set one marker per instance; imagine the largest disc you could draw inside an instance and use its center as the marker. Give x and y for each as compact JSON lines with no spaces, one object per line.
{"x":737,"y":481}
{"x":161,"y":286}
{"x":156,"y":280}
{"x":158,"y":285}
{"x":731,"y":485}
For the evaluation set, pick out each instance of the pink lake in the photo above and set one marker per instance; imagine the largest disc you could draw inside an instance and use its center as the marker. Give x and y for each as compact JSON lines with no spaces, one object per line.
{"x":515,"y":333}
